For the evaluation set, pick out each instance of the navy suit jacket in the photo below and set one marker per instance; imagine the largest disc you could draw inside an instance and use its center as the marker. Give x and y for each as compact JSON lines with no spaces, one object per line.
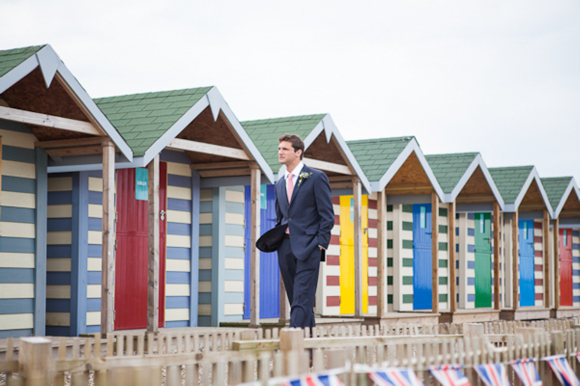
{"x":309,"y":215}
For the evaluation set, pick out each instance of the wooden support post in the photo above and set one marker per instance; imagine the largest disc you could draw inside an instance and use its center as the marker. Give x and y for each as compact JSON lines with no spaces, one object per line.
{"x":381,"y":253}
{"x":452,"y":258}
{"x":496,"y":257}
{"x":548,"y":283}
{"x":254,"y":252}
{"x":435,"y":251}
{"x":35,"y":362}
{"x":357,"y":191}
{"x":556,"y":241}
{"x":153,"y":263}
{"x":108,"y":263}
{"x":515,"y":259}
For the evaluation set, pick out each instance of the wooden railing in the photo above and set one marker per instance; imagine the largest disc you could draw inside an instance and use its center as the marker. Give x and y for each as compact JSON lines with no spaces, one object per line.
{"x":233,"y":356}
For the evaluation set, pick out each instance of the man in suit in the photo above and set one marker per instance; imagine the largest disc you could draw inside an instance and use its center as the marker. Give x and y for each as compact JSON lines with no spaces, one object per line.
{"x":304,"y":204}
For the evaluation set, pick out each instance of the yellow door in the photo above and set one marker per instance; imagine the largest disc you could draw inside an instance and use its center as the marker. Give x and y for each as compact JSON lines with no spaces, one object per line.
{"x":347,"y":281}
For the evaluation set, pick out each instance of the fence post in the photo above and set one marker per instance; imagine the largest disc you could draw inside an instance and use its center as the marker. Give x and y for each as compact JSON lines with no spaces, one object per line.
{"x":35,"y":362}
{"x":557,"y":338}
{"x":291,"y":340}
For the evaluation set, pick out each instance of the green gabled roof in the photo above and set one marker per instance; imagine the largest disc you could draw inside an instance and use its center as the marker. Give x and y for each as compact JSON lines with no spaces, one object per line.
{"x":555,"y":188}
{"x":9,"y":59}
{"x":375,"y":156}
{"x":265,"y":133}
{"x":510,"y":181}
{"x":449,"y":168}
{"x":143,"y":118}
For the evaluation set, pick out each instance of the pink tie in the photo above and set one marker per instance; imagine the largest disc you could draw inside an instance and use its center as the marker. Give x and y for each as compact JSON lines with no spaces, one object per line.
{"x":290,"y":187}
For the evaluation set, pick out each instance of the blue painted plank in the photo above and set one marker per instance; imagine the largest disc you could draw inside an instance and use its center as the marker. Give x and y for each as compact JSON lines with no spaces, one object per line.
{"x":205,"y":206}
{"x":16,"y":244}
{"x":18,"y":154}
{"x":235,"y":230}
{"x":14,"y":126}
{"x":93,"y":329}
{"x":204,"y":321}
{"x":471,"y":264}
{"x":234,"y":207}
{"x":58,"y":305}
{"x":204,"y":298}
{"x":175,"y":180}
{"x":95,"y":198}
{"x":471,"y":281}
{"x":4,"y":334}
{"x":471,"y":298}
{"x":471,"y":248}
{"x":174,"y":156}
{"x":95,"y":250}
{"x":16,"y":275}
{"x":95,"y":173}
{"x":177,"y":204}
{"x":177,"y":302}
{"x":178,"y":253}
{"x":93,"y":304}
{"x":174,"y":228}
{"x":471,"y":216}
{"x":59,"y":198}
{"x":16,"y":306}
{"x":470,"y":231}
{"x":57,"y":278}
{"x":58,"y":224}
{"x":177,"y":278}
{"x":205,"y":229}
{"x":205,"y":275}
{"x":95,"y":224}
{"x":58,"y":251}
{"x":177,"y":324}
{"x":575,"y":233}
{"x":234,"y":297}
{"x":58,"y":330}
{"x":233,"y":274}
{"x":18,"y":184}
{"x":23,"y":215}
{"x":205,"y":252}
{"x":93,"y":277}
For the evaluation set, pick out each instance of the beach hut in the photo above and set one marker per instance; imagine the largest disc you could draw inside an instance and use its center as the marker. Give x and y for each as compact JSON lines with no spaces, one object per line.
{"x":174,"y":197}
{"x":412,"y":231}
{"x":526,"y":226}
{"x":564,"y":197}
{"x":343,"y":277}
{"x":474,"y":236}
{"x":44,"y":114}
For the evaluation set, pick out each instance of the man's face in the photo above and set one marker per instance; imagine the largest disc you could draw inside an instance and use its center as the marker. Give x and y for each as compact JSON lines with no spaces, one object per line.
{"x":286,"y":153}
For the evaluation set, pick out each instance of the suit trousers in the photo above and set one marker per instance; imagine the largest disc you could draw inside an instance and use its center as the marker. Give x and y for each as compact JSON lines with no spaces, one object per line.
{"x":300,"y":279}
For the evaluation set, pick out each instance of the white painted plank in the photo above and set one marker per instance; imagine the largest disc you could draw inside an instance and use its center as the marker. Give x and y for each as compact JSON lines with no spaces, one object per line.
{"x":16,"y":321}
{"x":16,"y":290}
{"x":59,"y":211}
{"x":16,"y":260}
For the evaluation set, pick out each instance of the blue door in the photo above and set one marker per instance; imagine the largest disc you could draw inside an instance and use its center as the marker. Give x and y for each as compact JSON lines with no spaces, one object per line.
{"x":422,"y":259}
{"x":526,"y":240}
{"x":269,"y":270}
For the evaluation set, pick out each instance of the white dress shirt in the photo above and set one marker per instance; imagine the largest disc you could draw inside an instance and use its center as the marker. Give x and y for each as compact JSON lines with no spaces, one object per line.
{"x":295,"y":174}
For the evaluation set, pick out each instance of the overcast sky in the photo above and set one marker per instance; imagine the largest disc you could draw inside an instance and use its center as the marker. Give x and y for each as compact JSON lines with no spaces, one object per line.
{"x":498,"y":77}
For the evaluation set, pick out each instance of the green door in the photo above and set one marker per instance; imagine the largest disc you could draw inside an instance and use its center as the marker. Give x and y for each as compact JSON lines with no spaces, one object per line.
{"x":482,"y":260}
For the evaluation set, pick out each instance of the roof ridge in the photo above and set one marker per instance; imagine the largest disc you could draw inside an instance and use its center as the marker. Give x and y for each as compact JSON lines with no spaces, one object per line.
{"x":386,"y":139}
{"x":159,"y":93}
{"x":37,"y":46}
{"x":556,"y":178}
{"x":511,"y":167}
{"x":453,"y":154}
{"x":295,"y":117}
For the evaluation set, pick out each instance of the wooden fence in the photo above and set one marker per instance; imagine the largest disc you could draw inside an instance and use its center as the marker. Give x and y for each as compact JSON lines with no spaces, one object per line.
{"x":234,"y":356}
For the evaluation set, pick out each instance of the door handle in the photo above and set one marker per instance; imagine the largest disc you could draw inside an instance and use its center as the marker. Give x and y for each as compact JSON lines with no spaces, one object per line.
{"x":162,"y":214}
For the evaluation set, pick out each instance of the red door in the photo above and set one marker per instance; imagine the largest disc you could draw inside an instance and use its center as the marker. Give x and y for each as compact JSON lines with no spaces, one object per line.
{"x":566,"y":298}
{"x":131,"y":257}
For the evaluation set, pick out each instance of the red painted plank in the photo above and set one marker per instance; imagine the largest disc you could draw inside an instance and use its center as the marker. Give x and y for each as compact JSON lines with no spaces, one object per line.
{"x":372,"y":204}
{"x":539,"y":253}
{"x":332,"y":260}
{"x":372,"y":223}
{"x":336,"y":200}
{"x":539,"y":282}
{"x":333,"y":301}
{"x":372,"y":261}
{"x":372,"y":280}
{"x":372,"y":300}
{"x":538,"y":267}
{"x":335,"y":240}
{"x":538,"y":239}
{"x":336,"y":219}
{"x":373,"y":243}
{"x":537,"y":225}
{"x":333,"y":280}
{"x":539,"y":297}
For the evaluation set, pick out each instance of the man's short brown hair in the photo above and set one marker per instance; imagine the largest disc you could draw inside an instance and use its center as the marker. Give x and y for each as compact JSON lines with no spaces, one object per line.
{"x":296,"y":142}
